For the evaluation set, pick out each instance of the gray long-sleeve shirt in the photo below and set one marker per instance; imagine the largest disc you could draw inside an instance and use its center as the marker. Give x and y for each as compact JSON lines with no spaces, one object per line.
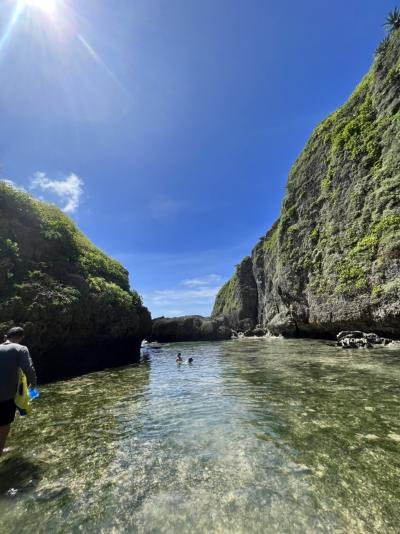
{"x":13,"y":356}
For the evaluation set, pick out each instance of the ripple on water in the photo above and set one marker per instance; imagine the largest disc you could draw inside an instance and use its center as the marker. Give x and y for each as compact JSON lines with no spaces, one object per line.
{"x":256,"y":436}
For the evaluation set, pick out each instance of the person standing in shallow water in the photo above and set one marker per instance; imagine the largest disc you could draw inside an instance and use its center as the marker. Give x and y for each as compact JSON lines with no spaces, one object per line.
{"x":13,"y":356}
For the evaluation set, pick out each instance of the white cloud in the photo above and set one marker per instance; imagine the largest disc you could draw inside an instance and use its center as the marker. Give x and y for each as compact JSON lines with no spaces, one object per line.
{"x":69,"y":191}
{"x":196,"y":297}
{"x":165,"y":296}
{"x":173,"y":312}
{"x":203,"y":281}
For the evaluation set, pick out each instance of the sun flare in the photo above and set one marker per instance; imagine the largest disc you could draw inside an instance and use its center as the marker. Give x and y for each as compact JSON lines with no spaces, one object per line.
{"x":48,"y":6}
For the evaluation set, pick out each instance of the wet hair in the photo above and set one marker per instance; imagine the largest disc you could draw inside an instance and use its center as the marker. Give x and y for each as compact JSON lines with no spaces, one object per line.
{"x":190,"y":360}
{"x":16,"y":331}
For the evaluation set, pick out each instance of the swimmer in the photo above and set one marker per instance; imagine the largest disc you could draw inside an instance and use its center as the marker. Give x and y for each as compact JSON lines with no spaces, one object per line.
{"x":179,"y":358}
{"x":190,"y":360}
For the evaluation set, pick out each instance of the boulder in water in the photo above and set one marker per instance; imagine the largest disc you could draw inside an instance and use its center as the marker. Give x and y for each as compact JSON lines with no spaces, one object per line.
{"x":356,"y":339}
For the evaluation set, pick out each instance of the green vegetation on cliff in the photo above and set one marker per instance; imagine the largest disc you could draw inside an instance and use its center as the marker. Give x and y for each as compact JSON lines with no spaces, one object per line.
{"x":53,"y":280}
{"x":238,"y":297}
{"x":228,"y":298}
{"x":333,"y":259}
{"x":351,"y":225}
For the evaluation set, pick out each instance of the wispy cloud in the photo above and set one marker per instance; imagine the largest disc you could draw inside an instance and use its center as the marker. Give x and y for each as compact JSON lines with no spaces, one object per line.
{"x":164,"y":208}
{"x":210,"y":279}
{"x":166,"y":296}
{"x":68,"y":191}
{"x":195,"y":297}
{"x":172,"y":312}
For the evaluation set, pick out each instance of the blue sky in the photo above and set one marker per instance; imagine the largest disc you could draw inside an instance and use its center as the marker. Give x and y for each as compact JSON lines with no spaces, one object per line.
{"x":167,"y":128}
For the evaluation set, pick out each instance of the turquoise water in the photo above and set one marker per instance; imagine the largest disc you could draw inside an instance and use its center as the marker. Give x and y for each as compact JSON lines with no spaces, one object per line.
{"x":256,"y":436}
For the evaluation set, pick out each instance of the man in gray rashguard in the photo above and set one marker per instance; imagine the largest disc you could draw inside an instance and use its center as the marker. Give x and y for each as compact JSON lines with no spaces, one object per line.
{"x":12,"y":356}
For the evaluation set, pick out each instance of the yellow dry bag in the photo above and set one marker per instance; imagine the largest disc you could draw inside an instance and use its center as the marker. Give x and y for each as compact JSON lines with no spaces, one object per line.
{"x":21,"y":398}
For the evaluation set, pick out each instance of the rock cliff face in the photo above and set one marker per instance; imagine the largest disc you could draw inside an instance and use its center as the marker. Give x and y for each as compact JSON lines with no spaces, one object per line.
{"x":190,"y":328}
{"x":237,"y":299}
{"x":332,"y":260}
{"x":74,"y":302}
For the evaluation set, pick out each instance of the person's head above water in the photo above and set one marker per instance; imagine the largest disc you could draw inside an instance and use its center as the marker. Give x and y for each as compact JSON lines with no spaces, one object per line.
{"x":190,"y":360}
{"x":178,"y":357}
{"x":15,"y":334}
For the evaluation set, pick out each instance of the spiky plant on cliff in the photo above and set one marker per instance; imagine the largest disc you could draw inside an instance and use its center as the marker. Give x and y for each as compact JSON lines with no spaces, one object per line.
{"x":392,"y":21}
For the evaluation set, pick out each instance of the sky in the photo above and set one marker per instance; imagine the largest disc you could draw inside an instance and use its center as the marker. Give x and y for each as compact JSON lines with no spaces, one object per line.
{"x":166,"y":128}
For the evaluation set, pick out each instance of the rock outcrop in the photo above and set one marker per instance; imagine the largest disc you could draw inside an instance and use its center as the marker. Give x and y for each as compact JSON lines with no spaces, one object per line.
{"x":238,"y":298}
{"x":190,"y":328}
{"x":360,"y":340}
{"x":332,"y":260}
{"x":74,"y":302}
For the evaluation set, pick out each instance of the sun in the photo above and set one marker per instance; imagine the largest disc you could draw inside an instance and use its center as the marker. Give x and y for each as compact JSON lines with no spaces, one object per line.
{"x":48,"y":6}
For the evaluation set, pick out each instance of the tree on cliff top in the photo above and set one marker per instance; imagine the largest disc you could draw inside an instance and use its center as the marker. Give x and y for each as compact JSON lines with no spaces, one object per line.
{"x":392,"y":21}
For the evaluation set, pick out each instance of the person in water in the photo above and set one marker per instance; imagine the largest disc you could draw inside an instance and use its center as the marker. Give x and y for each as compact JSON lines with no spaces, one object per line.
{"x":13,"y":356}
{"x":190,"y":360}
{"x":179,"y":358}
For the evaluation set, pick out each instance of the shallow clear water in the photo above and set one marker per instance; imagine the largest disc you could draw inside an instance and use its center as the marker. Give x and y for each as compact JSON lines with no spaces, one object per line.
{"x":256,"y":436}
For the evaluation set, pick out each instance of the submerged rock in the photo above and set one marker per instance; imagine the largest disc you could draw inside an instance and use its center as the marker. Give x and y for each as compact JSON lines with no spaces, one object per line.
{"x":331,"y":261}
{"x":75,"y":302}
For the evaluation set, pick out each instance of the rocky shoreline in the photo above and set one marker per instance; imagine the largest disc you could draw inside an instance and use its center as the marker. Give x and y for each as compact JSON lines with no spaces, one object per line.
{"x":198,"y":328}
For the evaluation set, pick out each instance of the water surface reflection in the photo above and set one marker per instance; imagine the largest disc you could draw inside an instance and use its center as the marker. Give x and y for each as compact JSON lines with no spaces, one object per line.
{"x":256,"y":436}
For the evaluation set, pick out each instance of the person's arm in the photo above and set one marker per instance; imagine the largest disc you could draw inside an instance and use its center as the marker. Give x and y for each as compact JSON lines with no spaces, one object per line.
{"x":26,"y":364}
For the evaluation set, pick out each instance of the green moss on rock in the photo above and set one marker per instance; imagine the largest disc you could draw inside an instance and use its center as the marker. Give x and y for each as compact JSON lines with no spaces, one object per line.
{"x":238,"y":297}
{"x":228,"y":300}
{"x":333,"y":260}
{"x":70,"y":296}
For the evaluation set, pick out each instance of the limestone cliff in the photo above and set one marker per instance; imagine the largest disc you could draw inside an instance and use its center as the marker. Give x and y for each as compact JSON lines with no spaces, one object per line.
{"x":237,"y":299}
{"x":332,"y":260}
{"x":74,"y":302}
